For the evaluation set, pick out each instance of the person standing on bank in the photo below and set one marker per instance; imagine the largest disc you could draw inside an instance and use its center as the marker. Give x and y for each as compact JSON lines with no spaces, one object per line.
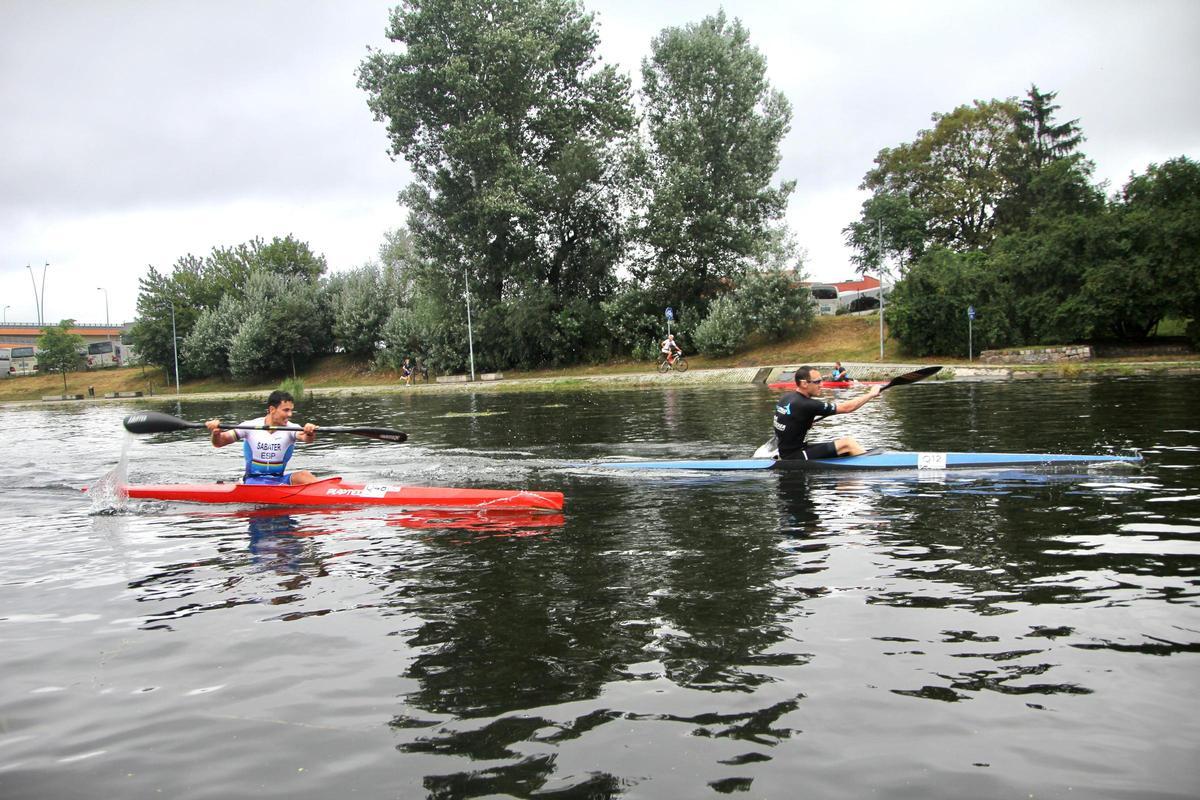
{"x":796,"y":411}
{"x":268,"y":449}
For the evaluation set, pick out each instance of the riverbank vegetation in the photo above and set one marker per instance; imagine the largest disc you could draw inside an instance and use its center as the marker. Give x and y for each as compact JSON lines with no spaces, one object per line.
{"x":994,"y":210}
{"x":851,"y":339}
{"x":557,"y":218}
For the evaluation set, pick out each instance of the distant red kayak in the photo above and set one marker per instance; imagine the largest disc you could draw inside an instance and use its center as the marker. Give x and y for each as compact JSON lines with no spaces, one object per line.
{"x":333,"y":492}
{"x":791,"y":384}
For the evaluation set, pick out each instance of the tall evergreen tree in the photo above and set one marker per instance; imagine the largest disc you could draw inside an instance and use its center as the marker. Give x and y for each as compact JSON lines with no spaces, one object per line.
{"x":1048,"y":176}
{"x":1042,"y":140}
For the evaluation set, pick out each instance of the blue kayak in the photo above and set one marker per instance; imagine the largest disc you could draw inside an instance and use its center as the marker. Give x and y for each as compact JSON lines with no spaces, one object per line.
{"x":883,"y":459}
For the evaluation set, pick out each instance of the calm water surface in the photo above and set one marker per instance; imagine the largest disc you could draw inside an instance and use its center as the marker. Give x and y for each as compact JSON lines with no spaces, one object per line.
{"x":1000,"y":635}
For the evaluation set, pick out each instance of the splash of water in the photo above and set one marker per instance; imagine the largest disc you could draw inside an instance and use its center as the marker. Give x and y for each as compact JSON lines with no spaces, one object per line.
{"x":106,"y":493}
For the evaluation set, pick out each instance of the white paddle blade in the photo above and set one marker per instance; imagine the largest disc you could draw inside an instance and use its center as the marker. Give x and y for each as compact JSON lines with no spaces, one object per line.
{"x":770,"y":449}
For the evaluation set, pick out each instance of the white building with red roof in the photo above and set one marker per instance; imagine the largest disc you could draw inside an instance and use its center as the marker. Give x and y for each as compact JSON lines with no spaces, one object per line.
{"x":857,"y":295}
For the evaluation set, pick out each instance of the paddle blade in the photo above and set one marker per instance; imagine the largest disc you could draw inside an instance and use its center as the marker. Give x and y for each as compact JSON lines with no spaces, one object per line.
{"x":382,"y":434}
{"x":911,"y":377}
{"x":155,"y":422}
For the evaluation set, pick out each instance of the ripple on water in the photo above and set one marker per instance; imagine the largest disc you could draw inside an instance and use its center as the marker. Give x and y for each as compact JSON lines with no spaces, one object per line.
{"x":952,"y":635}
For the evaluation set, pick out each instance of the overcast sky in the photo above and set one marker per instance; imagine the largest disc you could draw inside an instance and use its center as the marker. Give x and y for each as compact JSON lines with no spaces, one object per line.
{"x":133,"y":133}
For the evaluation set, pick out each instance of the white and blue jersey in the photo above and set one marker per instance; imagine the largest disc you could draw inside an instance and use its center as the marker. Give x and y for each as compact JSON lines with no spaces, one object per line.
{"x":267,"y":451}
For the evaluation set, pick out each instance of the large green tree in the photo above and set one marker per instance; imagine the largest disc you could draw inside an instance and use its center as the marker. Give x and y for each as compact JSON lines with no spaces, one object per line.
{"x":715,"y":125}
{"x":890,"y":227}
{"x":513,"y":131}
{"x":955,"y":174}
{"x":1151,"y":267}
{"x":58,"y":349}
{"x":197,"y":287}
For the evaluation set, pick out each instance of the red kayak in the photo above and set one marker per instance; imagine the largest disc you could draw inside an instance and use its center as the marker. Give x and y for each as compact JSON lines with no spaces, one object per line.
{"x":791,"y":384}
{"x":332,"y":492}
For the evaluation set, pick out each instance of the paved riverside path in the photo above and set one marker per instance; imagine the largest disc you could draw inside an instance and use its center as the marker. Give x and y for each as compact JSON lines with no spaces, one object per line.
{"x":724,"y":375}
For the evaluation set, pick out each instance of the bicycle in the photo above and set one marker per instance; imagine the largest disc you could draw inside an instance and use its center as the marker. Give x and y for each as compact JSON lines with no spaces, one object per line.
{"x":678,"y":363}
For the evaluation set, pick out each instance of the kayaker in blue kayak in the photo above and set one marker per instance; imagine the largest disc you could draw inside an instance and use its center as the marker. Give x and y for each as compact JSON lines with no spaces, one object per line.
{"x":268,"y":448}
{"x":796,"y":411}
{"x":839,"y":372}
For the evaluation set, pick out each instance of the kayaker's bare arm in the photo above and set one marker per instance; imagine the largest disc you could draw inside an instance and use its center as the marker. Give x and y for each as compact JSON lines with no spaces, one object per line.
{"x":860,"y":401}
{"x":220,"y":438}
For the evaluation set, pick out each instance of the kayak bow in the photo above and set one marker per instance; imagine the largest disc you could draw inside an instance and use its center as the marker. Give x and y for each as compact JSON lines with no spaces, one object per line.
{"x":333,"y":492}
{"x":883,"y":460}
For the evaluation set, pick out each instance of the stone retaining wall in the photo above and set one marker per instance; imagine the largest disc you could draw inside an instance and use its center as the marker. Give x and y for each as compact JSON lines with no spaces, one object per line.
{"x":1142,"y":350}
{"x":1038,"y":355}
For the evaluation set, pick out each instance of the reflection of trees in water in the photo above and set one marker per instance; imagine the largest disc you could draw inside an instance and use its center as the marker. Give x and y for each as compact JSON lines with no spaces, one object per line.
{"x":718,"y":600}
{"x":525,"y":775}
{"x":507,"y":628}
{"x":1005,"y":538}
{"x":989,"y":544}
{"x":517,"y":626}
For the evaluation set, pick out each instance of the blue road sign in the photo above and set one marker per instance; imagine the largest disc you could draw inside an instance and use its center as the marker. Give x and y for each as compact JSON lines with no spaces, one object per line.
{"x":970,"y":312}
{"x":670,"y":314}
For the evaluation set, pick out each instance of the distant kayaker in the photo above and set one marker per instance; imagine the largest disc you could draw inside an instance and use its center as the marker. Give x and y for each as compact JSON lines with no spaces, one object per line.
{"x":267,"y":451}
{"x":796,"y":411}
{"x":839,"y":372}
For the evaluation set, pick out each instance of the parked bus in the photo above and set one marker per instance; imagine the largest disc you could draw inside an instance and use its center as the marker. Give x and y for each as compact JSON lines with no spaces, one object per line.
{"x":846,"y":296}
{"x":101,"y":354}
{"x":19,"y":360}
{"x":826,"y":297}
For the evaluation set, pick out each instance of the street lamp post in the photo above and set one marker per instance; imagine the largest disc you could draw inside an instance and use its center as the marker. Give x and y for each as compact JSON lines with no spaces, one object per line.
{"x":470,"y":336}
{"x":107,"y":334}
{"x":102,"y":289}
{"x":6,"y":308}
{"x":37,"y":306}
{"x":175,"y":346}
{"x":880,"y":290}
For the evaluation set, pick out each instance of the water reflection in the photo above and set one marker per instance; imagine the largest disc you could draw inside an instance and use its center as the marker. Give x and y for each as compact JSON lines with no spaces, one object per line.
{"x":279,"y":544}
{"x":301,"y":547}
{"x":667,"y":637}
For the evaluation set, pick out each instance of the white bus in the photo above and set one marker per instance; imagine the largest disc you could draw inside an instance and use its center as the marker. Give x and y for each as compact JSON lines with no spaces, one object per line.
{"x":102,"y":354}
{"x":826,"y":297}
{"x":846,"y":296}
{"x":19,"y":360}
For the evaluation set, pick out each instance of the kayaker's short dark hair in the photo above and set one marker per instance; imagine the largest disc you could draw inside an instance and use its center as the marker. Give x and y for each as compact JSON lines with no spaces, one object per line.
{"x":802,"y":373}
{"x":279,"y":396}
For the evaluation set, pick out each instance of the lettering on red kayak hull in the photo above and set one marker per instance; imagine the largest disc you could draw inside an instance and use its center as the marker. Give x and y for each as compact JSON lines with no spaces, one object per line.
{"x":333,"y":492}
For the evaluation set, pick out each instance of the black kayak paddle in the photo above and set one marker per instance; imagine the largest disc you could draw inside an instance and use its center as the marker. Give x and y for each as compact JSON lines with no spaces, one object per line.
{"x":771,"y":448}
{"x":911,"y":377}
{"x":155,"y":422}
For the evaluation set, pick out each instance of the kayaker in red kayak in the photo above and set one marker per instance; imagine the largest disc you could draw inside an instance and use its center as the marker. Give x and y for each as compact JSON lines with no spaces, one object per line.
{"x":796,"y":411}
{"x":839,"y":372}
{"x":267,"y":451}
